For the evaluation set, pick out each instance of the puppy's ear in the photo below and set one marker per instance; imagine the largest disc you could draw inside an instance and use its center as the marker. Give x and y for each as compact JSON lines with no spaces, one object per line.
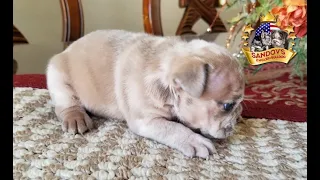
{"x":190,"y":76}
{"x":284,"y":35}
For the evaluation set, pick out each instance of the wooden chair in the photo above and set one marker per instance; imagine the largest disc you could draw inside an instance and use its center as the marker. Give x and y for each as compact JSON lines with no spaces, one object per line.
{"x":194,"y":10}
{"x":73,"y":21}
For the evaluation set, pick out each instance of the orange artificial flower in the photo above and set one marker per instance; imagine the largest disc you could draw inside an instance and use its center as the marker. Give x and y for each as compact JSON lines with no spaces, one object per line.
{"x":293,"y":13}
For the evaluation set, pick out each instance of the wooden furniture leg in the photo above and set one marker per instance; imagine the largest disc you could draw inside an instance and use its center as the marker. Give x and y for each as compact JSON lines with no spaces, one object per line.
{"x":15,"y":66}
{"x":73,"y":21}
{"x":152,"y":17}
{"x":18,"y":38}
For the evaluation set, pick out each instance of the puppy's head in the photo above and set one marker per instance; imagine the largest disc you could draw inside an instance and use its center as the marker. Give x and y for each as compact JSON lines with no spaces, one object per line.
{"x":208,"y":86}
{"x":278,"y":38}
{"x":265,"y":38}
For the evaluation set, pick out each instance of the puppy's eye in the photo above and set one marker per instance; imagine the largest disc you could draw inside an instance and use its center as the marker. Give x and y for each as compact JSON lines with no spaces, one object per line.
{"x":228,"y":106}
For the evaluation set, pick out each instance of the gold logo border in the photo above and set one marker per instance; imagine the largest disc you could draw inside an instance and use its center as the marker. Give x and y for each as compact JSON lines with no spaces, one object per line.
{"x":289,"y":53}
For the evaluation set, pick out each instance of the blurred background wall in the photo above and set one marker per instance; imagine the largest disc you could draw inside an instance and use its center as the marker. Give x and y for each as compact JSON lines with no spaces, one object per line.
{"x":41,"y":23}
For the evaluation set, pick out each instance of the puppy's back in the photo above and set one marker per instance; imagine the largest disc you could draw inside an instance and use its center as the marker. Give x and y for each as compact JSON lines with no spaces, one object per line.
{"x":87,"y":66}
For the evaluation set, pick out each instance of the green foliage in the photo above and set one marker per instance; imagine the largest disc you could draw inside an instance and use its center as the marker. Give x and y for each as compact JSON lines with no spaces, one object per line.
{"x":238,"y":18}
{"x":258,"y":69}
{"x":253,"y":17}
{"x":300,"y":60}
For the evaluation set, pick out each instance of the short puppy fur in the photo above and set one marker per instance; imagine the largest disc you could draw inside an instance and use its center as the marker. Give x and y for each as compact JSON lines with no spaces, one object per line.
{"x":148,"y":81}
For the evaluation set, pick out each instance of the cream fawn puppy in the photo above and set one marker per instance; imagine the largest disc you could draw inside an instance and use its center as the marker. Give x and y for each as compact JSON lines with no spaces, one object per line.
{"x":149,"y":81}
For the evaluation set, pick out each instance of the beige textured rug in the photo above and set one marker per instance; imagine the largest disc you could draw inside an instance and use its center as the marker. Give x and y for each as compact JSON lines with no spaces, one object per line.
{"x":260,"y":149}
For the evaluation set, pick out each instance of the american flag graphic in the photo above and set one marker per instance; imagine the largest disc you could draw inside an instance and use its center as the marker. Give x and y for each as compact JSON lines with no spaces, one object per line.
{"x":266,"y":27}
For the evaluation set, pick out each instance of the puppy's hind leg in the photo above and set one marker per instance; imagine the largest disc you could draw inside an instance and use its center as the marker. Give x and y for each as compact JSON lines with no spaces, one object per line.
{"x":67,"y":105}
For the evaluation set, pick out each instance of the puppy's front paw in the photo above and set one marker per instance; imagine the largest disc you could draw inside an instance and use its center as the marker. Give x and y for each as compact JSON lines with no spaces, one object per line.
{"x":197,"y":145}
{"x":76,"y":122}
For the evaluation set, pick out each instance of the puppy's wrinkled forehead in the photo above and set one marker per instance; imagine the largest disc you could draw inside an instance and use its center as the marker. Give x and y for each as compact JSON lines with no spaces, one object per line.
{"x":208,"y":72}
{"x":224,"y":79}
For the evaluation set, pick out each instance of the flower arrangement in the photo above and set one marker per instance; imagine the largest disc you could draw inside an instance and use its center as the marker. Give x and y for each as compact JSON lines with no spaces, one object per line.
{"x":288,"y":13}
{"x":293,"y":13}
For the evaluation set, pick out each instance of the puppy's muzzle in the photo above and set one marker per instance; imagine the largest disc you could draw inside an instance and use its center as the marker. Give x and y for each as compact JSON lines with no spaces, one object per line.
{"x":228,"y":130}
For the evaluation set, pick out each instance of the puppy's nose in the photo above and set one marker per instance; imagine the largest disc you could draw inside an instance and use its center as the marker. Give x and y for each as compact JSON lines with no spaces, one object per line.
{"x":239,"y":119}
{"x":228,"y":128}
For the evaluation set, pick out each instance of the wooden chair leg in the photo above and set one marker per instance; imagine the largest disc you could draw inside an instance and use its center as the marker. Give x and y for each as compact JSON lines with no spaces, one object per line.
{"x":72,"y":18}
{"x":15,"y":66}
{"x":152,"y":17}
{"x":18,"y":38}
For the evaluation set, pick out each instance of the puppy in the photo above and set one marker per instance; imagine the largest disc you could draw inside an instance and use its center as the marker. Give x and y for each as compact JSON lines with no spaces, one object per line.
{"x":266,"y":40}
{"x":279,"y":39}
{"x":256,"y":46}
{"x":149,"y":81}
